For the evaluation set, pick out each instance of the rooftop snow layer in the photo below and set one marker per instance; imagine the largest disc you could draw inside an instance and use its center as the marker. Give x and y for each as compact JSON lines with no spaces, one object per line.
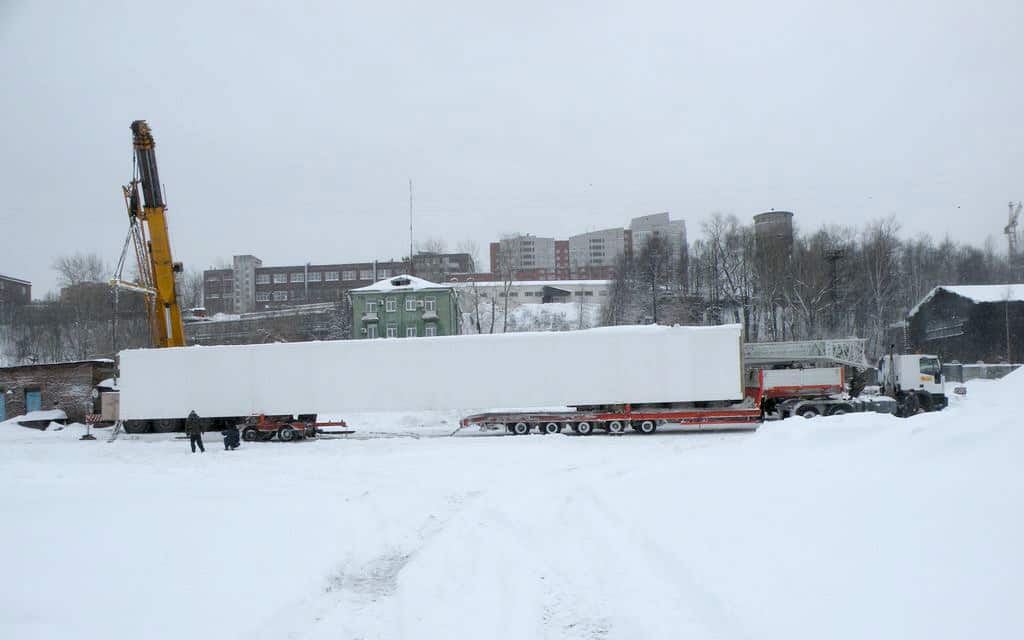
{"x":401,"y":283}
{"x":979,"y":293}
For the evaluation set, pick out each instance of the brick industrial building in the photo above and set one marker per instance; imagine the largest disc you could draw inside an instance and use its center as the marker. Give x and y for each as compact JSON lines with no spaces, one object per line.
{"x":248,"y":286}
{"x":13,"y":293}
{"x":586,"y":256}
{"x":67,"y":386}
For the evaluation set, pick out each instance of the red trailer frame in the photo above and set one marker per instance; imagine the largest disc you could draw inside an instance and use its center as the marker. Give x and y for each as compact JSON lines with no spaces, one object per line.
{"x":643,"y":418}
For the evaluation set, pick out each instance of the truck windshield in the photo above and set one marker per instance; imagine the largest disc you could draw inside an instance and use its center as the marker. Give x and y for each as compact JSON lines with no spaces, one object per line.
{"x":930,"y":367}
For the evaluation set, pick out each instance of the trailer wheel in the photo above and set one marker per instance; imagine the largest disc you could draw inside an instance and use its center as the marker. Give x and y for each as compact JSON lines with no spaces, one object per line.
{"x":616,"y":427}
{"x":647,"y":427}
{"x":250,"y":434}
{"x":136,"y":426}
{"x":840,"y":410}
{"x":584,"y":428}
{"x":552,"y":428}
{"x":286,"y":434}
{"x":521,"y":428}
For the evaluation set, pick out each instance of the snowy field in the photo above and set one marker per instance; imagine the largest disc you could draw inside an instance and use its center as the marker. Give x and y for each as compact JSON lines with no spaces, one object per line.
{"x":859,"y":526}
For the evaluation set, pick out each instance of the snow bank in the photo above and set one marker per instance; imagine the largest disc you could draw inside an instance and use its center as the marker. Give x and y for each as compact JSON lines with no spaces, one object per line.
{"x":597,"y":366}
{"x":849,"y":527}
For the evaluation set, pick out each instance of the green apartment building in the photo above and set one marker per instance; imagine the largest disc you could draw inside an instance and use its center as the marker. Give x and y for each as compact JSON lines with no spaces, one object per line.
{"x":404,"y":307}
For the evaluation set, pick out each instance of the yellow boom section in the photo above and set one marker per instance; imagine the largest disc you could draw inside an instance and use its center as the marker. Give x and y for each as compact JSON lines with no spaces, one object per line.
{"x":166,"y":320}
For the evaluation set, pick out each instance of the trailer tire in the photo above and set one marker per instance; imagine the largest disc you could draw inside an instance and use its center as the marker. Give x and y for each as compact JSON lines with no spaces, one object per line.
{"x":286,"y":434}
{"x":521,"y":428}
{"x":250,"y":434}
{"x":583,"y":428}
{"x":617,"y":427}
{"x":136,"y":426}
{"x":647,"y":427}
{"x":552,"y":428}
{"x":840,"y":410}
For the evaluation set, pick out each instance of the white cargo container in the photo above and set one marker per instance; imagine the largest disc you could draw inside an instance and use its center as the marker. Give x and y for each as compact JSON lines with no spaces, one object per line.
{"x":606,"y":366}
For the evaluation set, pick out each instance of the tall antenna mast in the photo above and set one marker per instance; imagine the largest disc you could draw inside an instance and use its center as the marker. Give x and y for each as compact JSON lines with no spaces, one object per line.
{"x":412,"y":269}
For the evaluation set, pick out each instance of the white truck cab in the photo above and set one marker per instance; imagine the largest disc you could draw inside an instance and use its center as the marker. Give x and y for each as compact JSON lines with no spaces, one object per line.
{"x":914,"y":380}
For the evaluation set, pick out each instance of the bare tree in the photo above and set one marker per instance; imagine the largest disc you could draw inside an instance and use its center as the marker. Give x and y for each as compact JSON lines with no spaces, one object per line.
{"x":472,"y":248}
{"x":433,"y":245}
{"x":190,"y":288}
{"x":80,"y":267}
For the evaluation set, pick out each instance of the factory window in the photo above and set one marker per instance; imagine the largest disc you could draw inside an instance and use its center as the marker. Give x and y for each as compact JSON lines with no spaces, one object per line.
{"x":280,"y":296}
{"x":371,"y":331}
{"x":430,"y":331}
{"x":383,"y":273}
{"x":603,"y":293}
{"x":212,"y":280}
{"x":348,"y":275}
{"x":262,"y":296}
{"x":331,"y":276}
{"x":314,"y":276}
{"x":392,"y":331}
{"x":280,"y":278}
{"x":298,"y":277}
{"x":429,"y":304}
{"x":366,"y":274}
{"x":588,"y":293}
{"x":390,"y":305}
{"x":212,"y":296}
{"x":578,"y":293}
{"x":263,"y":278}
{"x":410,"y":332}
{"x":371,"y":306}
{"x":513,"y":294}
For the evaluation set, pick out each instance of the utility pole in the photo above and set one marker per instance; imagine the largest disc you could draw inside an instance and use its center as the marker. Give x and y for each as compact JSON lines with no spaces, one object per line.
{"x":412,"y":268}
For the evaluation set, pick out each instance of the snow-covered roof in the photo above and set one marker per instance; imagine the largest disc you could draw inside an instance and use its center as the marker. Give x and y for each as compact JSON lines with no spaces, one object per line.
{"x":976,"y":293}
{"x":536,"y":283}
{"x":400,"y":283}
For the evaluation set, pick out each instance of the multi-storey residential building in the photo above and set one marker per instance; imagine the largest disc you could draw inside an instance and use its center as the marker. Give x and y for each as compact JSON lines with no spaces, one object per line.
{"x":404,"y":307}
{"x":595,"y":253}
{"x":251,"y":287}
{"x":528,"y":254}
{"x":13,"y":293}
{"x":659,"y":224}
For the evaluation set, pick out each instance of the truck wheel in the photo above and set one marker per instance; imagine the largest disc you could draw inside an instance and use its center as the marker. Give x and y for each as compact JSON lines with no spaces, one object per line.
{"x":136,"y":426}
{"x":584,"y":428}
{"x":647,"y":427}
{"x":552,"y":427}
{"x":521,"y":428}
{"x":924,"y":400}
{"x":840,"y":410}
{"x":908,"y":405}
{"x":250,"y":434}
{"x":286,"y":434}
{"x":808,"y":412}
{"x":616,"y":427}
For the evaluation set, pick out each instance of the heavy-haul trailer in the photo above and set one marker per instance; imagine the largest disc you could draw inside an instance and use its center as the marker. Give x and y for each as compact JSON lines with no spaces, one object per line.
{"x":644,"y":419}
{"x":685,"y":373}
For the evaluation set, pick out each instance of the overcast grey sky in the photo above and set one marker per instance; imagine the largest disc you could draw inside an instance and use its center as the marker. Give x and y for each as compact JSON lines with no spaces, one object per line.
{"x":289,"y":130}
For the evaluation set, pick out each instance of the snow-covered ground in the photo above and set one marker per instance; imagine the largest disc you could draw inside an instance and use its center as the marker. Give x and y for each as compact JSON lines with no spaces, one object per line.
{"x":859,"y":526}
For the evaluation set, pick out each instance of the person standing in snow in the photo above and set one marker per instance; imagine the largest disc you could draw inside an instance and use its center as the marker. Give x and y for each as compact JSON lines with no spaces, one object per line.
{"x":194,"y":431}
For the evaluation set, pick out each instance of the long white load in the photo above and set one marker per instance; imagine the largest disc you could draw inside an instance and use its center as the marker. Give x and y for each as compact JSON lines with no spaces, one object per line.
{"x":598,"y":366}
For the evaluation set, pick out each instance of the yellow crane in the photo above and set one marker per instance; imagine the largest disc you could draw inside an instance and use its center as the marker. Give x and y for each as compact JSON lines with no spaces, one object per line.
{"x":147,"y":216}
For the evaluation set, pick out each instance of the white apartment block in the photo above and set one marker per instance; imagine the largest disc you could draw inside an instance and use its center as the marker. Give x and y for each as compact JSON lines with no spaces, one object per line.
{"x":659,"y":224}
{"x":596,"y":248}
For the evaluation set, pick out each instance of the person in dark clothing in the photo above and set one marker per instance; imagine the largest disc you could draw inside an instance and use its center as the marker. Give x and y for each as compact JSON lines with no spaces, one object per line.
{"x":231,"y":439}
{"x":194,"y":431}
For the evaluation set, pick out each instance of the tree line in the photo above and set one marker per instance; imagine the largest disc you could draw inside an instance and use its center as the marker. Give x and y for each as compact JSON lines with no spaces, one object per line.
{"x":836,"y":281}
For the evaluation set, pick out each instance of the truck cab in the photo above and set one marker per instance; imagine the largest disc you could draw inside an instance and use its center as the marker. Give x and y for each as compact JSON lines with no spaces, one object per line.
{"x":915,"y":381}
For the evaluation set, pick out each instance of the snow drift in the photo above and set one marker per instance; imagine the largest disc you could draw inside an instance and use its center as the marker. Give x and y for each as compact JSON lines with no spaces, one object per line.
{"x":596,"y":366}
